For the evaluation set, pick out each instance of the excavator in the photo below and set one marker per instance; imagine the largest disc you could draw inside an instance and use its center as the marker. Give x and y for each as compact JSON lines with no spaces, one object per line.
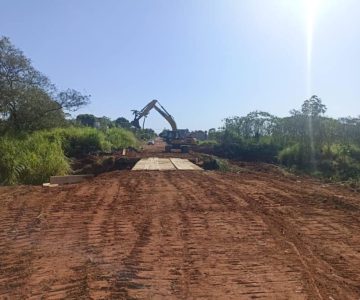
{"x":174,"y":138}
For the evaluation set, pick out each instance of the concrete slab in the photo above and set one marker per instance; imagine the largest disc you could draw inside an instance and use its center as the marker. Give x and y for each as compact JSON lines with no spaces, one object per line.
{"x":69,"y":178}
{"x":162,"y":164}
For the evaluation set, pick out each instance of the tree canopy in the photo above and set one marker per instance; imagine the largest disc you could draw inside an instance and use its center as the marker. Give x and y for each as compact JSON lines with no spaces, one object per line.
{"x":28,"y":100}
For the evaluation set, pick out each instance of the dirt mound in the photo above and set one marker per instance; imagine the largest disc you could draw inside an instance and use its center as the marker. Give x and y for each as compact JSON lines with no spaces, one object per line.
{"x":103,"y":163}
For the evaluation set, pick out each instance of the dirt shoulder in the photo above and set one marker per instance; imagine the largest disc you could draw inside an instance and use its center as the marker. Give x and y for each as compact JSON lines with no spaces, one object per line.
{"x":182,"y":234}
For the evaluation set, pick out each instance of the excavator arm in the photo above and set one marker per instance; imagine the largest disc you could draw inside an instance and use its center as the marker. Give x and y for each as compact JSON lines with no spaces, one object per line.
{"x":159,"y":108}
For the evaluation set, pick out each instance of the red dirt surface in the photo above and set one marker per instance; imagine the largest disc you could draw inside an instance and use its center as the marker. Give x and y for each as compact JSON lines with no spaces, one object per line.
{"x":181,"y":235}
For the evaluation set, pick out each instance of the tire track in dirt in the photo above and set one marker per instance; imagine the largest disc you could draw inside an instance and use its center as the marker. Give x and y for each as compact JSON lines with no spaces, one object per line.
{"x":245,"y":230}
{"x":21,"y":226}
{"x":320,"y":272}
{"x":66,"y":220}
{"x":182,"y":235}
{"x":142,"y":273}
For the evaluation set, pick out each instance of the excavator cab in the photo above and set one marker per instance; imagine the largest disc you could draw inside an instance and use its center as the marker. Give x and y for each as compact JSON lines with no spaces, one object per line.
{"x":179,"y":139}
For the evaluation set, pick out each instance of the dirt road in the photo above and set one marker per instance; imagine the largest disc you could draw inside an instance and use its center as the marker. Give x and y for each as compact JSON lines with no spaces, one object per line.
{"x":180,"y":235}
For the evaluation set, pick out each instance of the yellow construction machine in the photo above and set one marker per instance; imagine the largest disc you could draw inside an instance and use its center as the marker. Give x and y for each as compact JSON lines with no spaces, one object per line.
{"x":174,"y":138}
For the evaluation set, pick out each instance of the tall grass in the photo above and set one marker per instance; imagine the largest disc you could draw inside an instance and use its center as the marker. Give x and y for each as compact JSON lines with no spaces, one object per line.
{"x":120,"y":138}
{"x":33,"y":158}
{"x":78,"y":141}
{"x":336,"y":161}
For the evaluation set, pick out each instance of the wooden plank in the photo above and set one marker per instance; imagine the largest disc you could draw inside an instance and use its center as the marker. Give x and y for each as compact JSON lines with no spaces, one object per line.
{"x":69,"y":179}
{"x":141,"y":164}
{"x":48,"y":184}
{"x":162,"y":164}
{"x":145,"y":164}
{"x":184,"y":164}
{"x":165,"y":164}
{"x":154,"y":163}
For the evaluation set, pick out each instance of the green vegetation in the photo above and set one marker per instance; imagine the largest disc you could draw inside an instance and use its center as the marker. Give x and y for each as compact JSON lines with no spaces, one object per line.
{"x":208,"y":143}
{"x":33,"y":158}
{"x":37,"y":140}
{"x":305,"y":141}
{"x":105,"y":123}
{"x":28,"y":100}
{"x":120,"y":138}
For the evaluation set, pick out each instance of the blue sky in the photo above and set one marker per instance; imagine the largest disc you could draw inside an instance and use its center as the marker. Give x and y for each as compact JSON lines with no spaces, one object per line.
{"x":204,"y":60}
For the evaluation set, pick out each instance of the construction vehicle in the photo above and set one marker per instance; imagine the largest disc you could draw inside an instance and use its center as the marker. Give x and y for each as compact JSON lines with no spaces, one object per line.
{"x":174,"y":138}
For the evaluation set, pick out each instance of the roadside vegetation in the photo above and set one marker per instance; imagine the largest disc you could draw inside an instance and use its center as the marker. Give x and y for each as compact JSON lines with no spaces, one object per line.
{"x":306,"y":141}
{"x":32,"y":158}
{"x":38,"y":138}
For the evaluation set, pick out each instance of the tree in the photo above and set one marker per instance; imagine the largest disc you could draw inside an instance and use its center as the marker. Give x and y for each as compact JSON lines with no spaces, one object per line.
{"x":104,"y":123}
{"x":30,"y":117}
{"x":86,"y":120}
{"x":313,"y":107}
{"x":27,"y":96}
{"x":253,"y":125}
{"x":122,"y":122}
{"x":145,"y":134}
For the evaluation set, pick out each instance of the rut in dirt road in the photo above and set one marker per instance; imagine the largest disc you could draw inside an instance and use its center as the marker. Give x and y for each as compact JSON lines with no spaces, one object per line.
{"x":181,"y":235}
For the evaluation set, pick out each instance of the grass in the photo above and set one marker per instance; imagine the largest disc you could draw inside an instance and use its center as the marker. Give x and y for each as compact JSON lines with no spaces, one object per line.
{"x":33,"y":158}
{"x":120,"y":138}
{"x":335,"y":162}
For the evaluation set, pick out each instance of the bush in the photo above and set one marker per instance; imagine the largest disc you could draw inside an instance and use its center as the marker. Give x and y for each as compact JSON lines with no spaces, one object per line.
{"x":10,"y":161}
{"x":32,"y":159}
{"x":248,"y":151}
{"x":337,"y":162}
{"x":42,"y":159}
{"x":145,"y":134}
{"x":345,"y":162}
{"x":79,"y":141}
{"x":290,"y":156}
{"x":299,"y":156}
{"x":120,"y":138}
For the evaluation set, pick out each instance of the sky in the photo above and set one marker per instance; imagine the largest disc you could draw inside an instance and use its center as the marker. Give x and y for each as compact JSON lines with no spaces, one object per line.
{"x":204,"y":60}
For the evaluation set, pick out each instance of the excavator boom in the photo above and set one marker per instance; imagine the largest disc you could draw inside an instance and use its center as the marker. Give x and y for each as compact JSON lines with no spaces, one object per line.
{"x":159,"y":108}
{"x":175,"y":138}
{"x":167,"y":117}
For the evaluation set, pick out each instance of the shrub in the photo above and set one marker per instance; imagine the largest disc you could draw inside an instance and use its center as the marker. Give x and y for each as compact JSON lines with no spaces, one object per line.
{"x":42,"y":159}
{"x":248,"y":151}
{"x":290,"y":156}
{"x":337,"y":162}
{"x":299,"y":156}
{"x":346,"y":162}
{"x":32,"y":159}
{"x":10,"y":161}
{"x":79,"y":141}
{"x":120,"y":138}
